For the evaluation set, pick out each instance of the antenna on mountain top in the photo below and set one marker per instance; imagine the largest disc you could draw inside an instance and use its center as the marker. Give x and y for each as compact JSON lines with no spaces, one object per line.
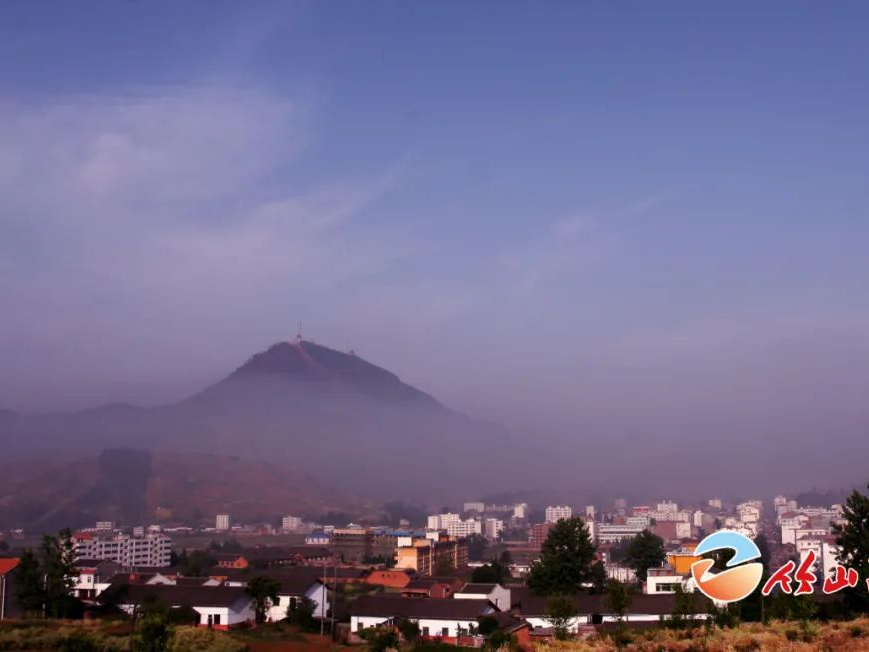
{"x":299,"y":334}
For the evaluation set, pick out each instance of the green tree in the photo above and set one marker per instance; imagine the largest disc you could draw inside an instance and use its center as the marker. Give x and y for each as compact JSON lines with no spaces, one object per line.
{"x":301,"y":614}
{"x":264,"y":591}
{"x":59,"y":575}
{"x":684,"y":610}
{"x":477,"y":545}
{"x":565,"y":559}
{"x":196,"y":563}
{"x":487,"y":625}
{"x":852,"y":537}
{"x":491,"y":573}
{"x":560,"y":612}
{"x":29,"y":587}
{"x":597,"y":577}
{"x":153,"y":635}
{"x":409,"y":630}
{"x":645,"y":551}
{"x":443,"y":567}
{"x":618,"y":598}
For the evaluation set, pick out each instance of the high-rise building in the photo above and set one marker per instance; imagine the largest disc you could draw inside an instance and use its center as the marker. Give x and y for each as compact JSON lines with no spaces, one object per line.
{"x":556,"y":513}
{"x":442,"y":521}
{"x":589,"y":512}
{"x":520,"y":510}
{"x":493,"y":527}
{"x":290,"y":523}
{"x":537,"y":534}
{"x":221,"y":522}
{"x":462,"y":529}
{"x":475,"y":506}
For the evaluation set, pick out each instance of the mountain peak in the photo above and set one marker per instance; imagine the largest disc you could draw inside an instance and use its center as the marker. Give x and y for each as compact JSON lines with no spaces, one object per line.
{"x":305,"y":361}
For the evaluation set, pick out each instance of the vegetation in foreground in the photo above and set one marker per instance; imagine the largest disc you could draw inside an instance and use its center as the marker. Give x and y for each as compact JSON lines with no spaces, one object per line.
{"x":776,"y":635}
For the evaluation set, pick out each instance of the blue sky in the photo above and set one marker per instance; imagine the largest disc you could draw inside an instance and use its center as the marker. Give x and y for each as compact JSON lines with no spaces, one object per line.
{"x":579,"y":216}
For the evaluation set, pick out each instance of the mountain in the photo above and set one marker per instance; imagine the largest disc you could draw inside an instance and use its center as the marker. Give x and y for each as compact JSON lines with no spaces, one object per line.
{"x":349,"y":423}
{"x":139,"y":487}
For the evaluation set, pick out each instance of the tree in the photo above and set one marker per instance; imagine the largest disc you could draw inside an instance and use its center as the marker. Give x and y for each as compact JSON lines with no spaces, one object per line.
{"x":506,"y":559}
{"x":443,"y":567}
{"x":597,"y":577}
{"x":477,"y":545}
{"x":4,"y":547}
{"x":153,"y":635}
{"x":491,"y":573}
{"x":301,"y":614}
{"x":196,"y":563}
{"x":565,"y":559}
{"x":684,"y":611}
{"x":487,"y":625}
{"x":409,"y":630}
{"x":560,"y":612}
{"x":29,"y":587}
{"x":59,"y":575}
{"x":618,"y":598}
{"x":852,"y":537}
{"x":264,"y":591}
{"x":645,"y":551}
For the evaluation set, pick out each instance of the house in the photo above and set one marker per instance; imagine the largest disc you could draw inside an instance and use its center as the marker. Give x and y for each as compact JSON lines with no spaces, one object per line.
{"x":94,"y":576}
{"x":269,"y":556}
{"x":231,"y":560}
{"x":219,"y":607}
{"x":8,"y":605}
{"x":428,"y":587}
{"x":593,"y":609}
{"x":295,"y":588}
{"x":441,"y":618}
{"x":391,"y":578}
{"x":494,"y":593}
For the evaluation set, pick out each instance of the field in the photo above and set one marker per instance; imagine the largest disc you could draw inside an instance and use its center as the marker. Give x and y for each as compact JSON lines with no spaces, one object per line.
{"x":784,"y":636}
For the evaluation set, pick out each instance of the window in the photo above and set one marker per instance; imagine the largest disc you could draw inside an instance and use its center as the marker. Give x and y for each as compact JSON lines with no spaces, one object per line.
{"x":425,"y":631}
{"x":216,"y":619}
{"x":445,"y":631}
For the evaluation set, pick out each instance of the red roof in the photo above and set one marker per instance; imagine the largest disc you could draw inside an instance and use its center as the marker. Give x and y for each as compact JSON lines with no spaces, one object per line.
{"x":7,"y":565}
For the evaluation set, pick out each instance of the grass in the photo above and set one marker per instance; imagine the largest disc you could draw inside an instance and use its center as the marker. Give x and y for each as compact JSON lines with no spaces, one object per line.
{"x":775,"y":636}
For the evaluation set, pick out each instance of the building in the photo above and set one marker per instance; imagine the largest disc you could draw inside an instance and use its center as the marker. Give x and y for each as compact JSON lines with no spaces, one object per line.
{"x":217,"y":607}
{"x":428,"y":557}
{"x":494,"y":593}
{"x":291,"y":523}
{"x":442,"y":521}
{"x":94,"y":576}
{"x":520,"y":510}
{"x":221,"y":522}
{"x":152,"y":550}
{"x":352,"y":543}
{"x":105,"y":526}
{"x":445,"y":619}
{"x":475,"y":506}
{"x":318,"y":538}
{"x":7,"y":566}
{"x":492,"y":528}
{"x":465,"y":528}
{"x":590,"y":512}
{"x":558,"y":512}
{"x":615,"y":532}
{"x":537,"y":534}
{"x":666,"y":580}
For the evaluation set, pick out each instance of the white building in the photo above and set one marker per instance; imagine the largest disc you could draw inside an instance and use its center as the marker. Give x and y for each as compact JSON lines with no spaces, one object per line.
{"x":493,"y":528}
{"x":149,"y":550}
{"x":558,"y":512}
{"x":826,"y":553}
{"x":442,"y":521}
{"x":475,"y":506}
{"x":590,"y":512}
{"x":715,"y":503}
{"x":665,"y":580}
{"x":667,"y":506}
{"x":494,"y":593}
{"x":105,"y":526}
{"x":520,"y":510}
{"x":221,"y":522}
{"x":790,"y":523}
{"x":614,"y":532}
{"x":464,"y":528}
{"x":291,"y":523}
{"x":436,"y":618}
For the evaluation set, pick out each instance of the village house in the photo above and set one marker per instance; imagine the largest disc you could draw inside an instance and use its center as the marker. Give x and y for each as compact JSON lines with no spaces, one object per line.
{"x":494,"y":593}
{"x":436,"y":618}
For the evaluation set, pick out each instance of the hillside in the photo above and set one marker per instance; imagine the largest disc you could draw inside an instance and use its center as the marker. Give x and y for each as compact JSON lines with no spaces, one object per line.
{"x":138,"y":487}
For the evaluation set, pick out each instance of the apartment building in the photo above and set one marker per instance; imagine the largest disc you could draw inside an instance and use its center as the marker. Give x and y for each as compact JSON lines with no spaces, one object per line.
{"x":557,"y":512}
{"x":221,"y":522}
{"x":291,"y":523}
{"x":442,"y":521}
{"x":428,"y":557}
{"x":149,"y":550}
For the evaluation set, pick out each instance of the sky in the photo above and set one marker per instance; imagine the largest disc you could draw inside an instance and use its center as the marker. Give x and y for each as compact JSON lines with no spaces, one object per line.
{"x":581,"y":219}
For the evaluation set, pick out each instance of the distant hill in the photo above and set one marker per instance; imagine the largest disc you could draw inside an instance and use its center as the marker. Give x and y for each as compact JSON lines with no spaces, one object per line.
{"x":343,"y":420}
{"x":140,"y":487}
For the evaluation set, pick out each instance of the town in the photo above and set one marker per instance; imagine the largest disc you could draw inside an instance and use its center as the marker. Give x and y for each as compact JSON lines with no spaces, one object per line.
{"x":464,"y":577}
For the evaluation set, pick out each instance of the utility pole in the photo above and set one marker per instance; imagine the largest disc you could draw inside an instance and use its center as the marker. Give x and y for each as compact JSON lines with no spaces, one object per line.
{"x":2,"y":597}
{"x":334,"y":602}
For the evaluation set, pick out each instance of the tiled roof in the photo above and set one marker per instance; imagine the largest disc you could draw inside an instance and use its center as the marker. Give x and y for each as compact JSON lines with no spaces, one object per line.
{"x":391,"y":607}
{"x":7,"y":564}
{"x":176,"y":596}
